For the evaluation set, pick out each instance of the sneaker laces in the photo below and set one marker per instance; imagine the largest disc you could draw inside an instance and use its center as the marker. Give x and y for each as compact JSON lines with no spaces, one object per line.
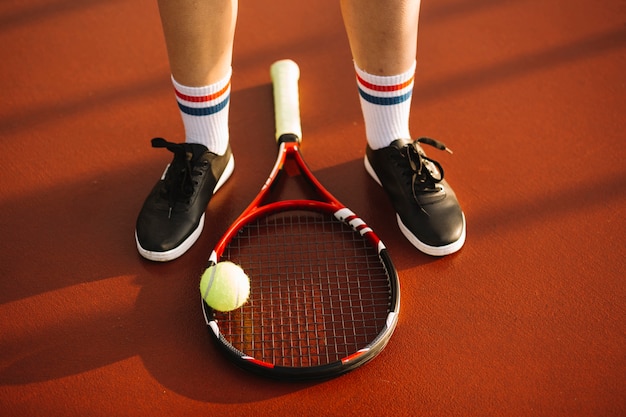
{"x":425,"y":172}
{"x":179,"y":184}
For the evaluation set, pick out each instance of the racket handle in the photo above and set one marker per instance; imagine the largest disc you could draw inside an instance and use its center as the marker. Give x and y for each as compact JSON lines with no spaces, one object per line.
{"x":285,"y":74}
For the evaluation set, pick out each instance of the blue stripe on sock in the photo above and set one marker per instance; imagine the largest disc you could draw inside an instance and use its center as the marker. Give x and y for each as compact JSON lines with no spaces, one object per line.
{"x":385,"y":101}
{"x":204,"y":111}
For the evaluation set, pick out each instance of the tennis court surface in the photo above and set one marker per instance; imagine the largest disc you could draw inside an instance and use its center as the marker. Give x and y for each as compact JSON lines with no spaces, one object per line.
{"x":528,"y":319}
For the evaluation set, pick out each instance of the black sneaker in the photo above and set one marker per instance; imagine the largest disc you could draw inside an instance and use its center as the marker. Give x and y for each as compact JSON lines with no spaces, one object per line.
{"x":172,"y":217}
{"x":427,"y":209}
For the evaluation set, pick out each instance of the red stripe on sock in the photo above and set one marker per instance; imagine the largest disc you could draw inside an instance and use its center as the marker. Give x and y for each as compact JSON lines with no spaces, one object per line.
{"x":384,"y":87}
{"x":200,"y":99}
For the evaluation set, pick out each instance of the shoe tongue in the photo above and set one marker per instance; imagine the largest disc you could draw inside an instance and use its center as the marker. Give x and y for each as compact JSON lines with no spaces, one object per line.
{"x":401,"y":143}
{"x":435,"y":172}
{"x":194,"y":151}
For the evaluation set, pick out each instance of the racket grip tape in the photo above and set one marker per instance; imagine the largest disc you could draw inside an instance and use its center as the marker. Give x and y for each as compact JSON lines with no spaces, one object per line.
{"x":285,"y":75}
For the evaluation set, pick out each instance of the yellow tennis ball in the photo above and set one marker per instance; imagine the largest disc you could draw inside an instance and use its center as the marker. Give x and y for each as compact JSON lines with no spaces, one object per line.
{"x":225,"y":286}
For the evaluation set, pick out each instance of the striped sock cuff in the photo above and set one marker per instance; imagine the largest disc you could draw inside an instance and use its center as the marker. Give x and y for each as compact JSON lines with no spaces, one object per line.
{"x":203,"y":101}
{"x":385,"y":90}
{"x":204,"y":112}
{"x":386,"y":104}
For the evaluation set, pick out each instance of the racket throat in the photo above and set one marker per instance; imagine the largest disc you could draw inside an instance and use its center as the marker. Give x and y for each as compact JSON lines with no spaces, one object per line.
{"x":288,"y":138}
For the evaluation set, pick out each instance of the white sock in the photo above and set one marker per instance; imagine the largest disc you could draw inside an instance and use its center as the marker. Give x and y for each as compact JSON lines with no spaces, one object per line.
{"x":386,"y":104}
{"x":204,"y":111}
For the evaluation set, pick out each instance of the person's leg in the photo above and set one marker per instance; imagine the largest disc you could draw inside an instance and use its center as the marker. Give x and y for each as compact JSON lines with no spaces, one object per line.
{"x":382,"y":34}
{"x":199,"y":37}
{"x":383,"y":41}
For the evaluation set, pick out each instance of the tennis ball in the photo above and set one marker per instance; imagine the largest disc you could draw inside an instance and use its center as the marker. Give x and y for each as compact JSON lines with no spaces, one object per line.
{"x":224,"y":286}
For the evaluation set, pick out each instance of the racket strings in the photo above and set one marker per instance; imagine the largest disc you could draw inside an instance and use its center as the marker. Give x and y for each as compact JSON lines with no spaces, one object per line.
{"x":319,"y":291}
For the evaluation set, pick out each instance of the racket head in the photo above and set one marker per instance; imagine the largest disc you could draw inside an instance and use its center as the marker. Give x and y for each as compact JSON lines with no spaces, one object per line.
{"x":324,"y":294}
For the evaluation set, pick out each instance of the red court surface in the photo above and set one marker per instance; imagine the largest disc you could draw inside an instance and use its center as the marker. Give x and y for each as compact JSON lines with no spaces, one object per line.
{"x":528,"y":319}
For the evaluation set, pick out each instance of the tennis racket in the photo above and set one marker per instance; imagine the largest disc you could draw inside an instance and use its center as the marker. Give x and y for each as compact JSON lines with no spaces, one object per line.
{"x":324,"y":294}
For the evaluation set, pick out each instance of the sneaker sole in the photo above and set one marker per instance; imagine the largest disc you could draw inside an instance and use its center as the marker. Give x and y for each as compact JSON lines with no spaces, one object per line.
{"x":193,"y":237}
{"x":432,"y":250}
{"x":421,"y":246}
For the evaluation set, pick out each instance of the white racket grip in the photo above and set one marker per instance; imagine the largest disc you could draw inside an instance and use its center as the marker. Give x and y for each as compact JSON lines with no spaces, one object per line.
{"x":285,"y":75}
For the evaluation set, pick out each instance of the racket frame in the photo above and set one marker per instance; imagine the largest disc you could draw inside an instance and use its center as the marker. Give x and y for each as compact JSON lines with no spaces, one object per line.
{"x":289,"y":149}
